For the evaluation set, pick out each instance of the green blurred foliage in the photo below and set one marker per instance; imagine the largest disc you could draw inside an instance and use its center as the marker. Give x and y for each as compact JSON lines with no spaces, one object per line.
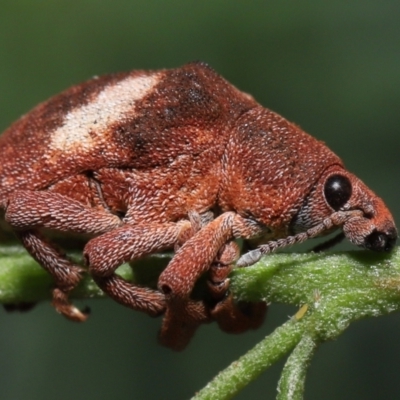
{"x":332,"y":67}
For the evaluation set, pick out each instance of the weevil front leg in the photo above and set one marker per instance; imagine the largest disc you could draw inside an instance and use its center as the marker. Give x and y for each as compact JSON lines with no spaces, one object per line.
{"x":177,"y":329}
{"x":191,"y":260}
{"x":232,"y":316}
{"x":182,"y":318}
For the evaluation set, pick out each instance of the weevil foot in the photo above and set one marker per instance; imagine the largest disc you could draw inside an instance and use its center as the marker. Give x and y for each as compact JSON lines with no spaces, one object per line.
{"x":181,"y":322}
{"x":68,"y":310}
{"x":238,"y":317}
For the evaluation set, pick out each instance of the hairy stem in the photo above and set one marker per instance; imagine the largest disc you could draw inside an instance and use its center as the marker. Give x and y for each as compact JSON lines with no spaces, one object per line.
{"x":248,"y":367}
{"x":332,"y":289}
{"x":291,"y":384}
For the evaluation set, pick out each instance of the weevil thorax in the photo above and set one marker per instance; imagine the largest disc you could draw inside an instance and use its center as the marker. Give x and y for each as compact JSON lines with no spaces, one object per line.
{"x":289,"y":182}
{"x":270,"y":166}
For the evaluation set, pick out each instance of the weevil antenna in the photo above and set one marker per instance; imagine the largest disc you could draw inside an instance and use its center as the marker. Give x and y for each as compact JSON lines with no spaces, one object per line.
{"x":338,"y":218}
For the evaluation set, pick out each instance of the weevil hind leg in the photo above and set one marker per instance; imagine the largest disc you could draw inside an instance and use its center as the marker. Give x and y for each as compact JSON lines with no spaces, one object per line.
{"x":66,"y":274}
{"x":29,"y":211}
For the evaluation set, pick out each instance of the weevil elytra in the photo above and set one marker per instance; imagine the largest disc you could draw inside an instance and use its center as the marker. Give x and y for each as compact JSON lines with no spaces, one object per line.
{"x":153,"y":160}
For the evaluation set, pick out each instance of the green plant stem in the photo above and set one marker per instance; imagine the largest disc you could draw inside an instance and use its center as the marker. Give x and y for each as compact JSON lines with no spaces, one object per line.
{"x":248,"y":367}
{"x":335,"y":290}
{"x":291,"y":384}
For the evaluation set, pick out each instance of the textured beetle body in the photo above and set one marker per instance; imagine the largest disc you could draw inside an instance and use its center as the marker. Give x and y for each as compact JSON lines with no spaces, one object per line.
{"x":164,"y":127}
{"x":139,"y":159}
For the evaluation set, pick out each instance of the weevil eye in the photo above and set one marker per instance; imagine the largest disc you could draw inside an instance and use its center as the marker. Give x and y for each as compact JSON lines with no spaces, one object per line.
{"x":381,"y":241}
{"x":337,"y":191}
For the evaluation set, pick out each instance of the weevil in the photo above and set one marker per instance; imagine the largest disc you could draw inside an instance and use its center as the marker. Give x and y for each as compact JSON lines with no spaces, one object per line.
{"x":173,"y":159}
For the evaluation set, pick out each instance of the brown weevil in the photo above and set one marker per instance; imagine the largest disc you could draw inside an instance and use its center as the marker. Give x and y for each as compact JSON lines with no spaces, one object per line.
{"x":174,"y":159}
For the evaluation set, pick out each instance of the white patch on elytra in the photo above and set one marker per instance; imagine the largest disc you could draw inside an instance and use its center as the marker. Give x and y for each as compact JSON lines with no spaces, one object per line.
{"x":85,"y":126}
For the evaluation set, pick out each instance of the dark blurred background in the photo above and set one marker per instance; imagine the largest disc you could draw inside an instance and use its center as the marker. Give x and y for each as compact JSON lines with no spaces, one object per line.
{"x":331,"y":67}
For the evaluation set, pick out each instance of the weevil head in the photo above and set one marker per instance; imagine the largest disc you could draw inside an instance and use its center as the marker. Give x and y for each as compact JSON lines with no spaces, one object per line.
{"x":349,"y":203}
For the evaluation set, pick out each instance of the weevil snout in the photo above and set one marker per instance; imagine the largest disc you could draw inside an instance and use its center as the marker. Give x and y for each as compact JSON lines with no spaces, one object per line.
{"x":381,"y":241}
{"x":377,"y":233}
